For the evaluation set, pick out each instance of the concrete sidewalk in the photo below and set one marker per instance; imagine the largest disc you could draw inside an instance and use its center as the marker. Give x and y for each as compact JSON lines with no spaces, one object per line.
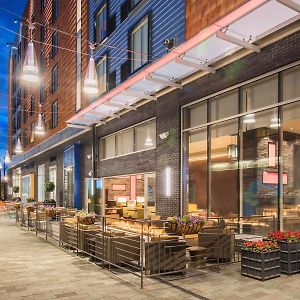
{"x":32,"y":268}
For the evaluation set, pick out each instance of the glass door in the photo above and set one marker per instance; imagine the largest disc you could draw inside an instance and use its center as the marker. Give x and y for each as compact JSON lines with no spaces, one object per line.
{"x":93,"y":201}
{"x":69,"y":187}
{"x":150,"y":195}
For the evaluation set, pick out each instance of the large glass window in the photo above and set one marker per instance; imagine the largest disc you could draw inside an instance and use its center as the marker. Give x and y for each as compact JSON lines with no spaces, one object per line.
{"x":124,"y":142}
{"x":101,"y":24}
{"x":224,"y":106}
{"x":102,"y":72}
{"x":195,"y":171}
{"x":138,"y":138}
{"x":140,"y":45}
{"x":41,"y":183}
{"x":195,"y":115}
{"x":145,"y":135}
{"x":291,"y":83}
{"x":54,"y":78}
{"x":223,"y":169}
{"x":54,"y":10}
{"x":54,"y":114}
{"x":54,"y":43}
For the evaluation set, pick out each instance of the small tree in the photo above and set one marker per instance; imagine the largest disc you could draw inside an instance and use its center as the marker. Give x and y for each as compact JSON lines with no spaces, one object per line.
{"x":16,"y":189}
{"x":49,"y":186}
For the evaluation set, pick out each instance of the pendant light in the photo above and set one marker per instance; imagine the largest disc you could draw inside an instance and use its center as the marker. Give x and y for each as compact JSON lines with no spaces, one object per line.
{"x":7,"y":157}
{"x":40,"y":129}
{"x":148,"y":142}
{"x":249,"y":118}
{"x":90,"y":86}
{"x":30,"y":67}
{"x":18,"y":148}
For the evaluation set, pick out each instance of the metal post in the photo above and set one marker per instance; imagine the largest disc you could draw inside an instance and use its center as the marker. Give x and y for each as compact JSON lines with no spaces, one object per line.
{"x":142,"y":256}
{"x":36,"y":221}
{"x":4,"y":183}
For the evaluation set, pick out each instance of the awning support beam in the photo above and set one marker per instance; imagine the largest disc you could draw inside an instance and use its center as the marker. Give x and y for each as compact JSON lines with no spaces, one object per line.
{"x":164,"y":82}
{"x":223,"y":36}
{"x":77,"y":126}
{"x":139,"y":94}
{"x":290,"y":4}
{"x":119,"y":105}
{"x":194,"y":65}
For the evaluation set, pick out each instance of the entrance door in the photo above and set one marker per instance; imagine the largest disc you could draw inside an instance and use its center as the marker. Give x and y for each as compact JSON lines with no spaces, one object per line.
{"x":93,"y":195}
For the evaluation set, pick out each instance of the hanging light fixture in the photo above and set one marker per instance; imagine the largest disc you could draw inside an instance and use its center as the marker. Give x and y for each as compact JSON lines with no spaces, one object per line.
{"x":30,"y":67}
{"x":90,"y":86}
{"x":7,"y":157}
{"x":18,"y":148}
{"x":40,"y":129}
{"x":148,"y":142}
{"x":249,"y":119}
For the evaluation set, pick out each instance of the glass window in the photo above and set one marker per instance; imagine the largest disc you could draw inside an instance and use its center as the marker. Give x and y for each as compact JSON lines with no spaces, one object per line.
{"x":145,"y":136}
{"x":140,"y":45}
{"x":32,"y":105}
{"x":108,"y":148}
{"x":54,"y":10}
{"x":260,"y":94}
{"x":291,"y":163}
{"x":223,"y":169}
{"x":54,"y":79}
{"x":41,"y":183}
{"x":54,"y":114}
{"x":52,"y":178}
{"x":42,"y":61}
{"x":42,"y":93}
{"x":195,"y":115}
{"x":124,"y":142}
{"x":224,"y":106}
{"x":54,"y":43}
{"x":291,"y":83}
{"x":259,"y":163}
{"x":195,"y":171}
{"x":102,"y":72}
{"x":32,"y":135}
{"x":43,"y":5}
{"x":101,"y":24}
{"x":42,"y":33}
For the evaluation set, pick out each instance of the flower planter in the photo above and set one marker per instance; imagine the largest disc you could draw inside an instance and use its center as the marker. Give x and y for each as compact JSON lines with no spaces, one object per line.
{"x":186,"y":229}
{"x":289,"y":257}
{"x":86,"y":220}
{"x":30,"y":209}
{"x":17,"y":205}
{"x":260,"y":265}
{"x":50,"y":213}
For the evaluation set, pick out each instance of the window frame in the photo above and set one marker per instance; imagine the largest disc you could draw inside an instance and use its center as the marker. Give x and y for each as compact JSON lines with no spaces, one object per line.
{"x":134,"y":29}
{"x":54,"y":114}
{"x":103,"y":6}
{"x":54,"y":87}
{"x":54,"y":5}
{"x":104,"y":58}
{"x":54,"y":38}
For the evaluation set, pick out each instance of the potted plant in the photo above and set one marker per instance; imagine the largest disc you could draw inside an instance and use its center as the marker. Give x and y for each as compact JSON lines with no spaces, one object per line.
{"x":260,"y":259}
{"x":17,"y":205}
{"x":186,"y":225}
{"x":15,"y":189}
{"x":289,"y":243}
{"x":86,"y":218}
{"x":49,"y":188}
{"x":50,"y":211}
{"x":30,"y":207}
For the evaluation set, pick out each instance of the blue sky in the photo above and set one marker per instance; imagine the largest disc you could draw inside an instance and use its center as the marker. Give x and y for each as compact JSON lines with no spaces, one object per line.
{"x":6,"y":20}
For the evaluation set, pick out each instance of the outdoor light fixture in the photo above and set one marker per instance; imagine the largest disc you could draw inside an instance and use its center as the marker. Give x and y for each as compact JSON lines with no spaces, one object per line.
{"x":18,"y":148}
{"x":40,"y":129}
{"x":30,"y":67}
{"x":168,"y":181}
{"x":90,"y":86}
{"x":7,"y":157}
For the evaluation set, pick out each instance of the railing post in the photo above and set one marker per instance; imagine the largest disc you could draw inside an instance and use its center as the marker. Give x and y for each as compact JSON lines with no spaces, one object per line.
{"x":36,"y":220}
{"x":142,"y":256}
{"x":103,"y":240}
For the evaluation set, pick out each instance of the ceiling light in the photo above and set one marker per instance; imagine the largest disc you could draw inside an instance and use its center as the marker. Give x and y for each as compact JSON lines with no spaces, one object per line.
{"x":249,"y":119}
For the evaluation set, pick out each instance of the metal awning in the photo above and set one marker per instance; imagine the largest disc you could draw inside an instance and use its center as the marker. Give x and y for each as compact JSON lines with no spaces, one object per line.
{"x":240,"y":29}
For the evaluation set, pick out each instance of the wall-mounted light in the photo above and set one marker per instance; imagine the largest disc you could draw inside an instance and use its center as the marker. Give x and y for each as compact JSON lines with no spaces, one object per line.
{"x":164,"y":135}
{"x":89,"y":156}
{"x":168,"y":181}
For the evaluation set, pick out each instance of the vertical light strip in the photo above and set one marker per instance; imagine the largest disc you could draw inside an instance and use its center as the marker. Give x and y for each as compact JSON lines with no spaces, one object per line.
{"x":168,"y":182}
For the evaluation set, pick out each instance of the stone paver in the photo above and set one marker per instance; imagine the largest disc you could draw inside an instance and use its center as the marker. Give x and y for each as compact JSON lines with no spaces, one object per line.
{"x":32,"y":268}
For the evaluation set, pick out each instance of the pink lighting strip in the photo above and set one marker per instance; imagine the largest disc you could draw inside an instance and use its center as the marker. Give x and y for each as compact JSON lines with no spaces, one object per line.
{"x":191,"y":43}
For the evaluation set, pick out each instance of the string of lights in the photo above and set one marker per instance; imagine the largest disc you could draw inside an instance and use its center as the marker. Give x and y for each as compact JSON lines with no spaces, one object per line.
{"x":73,"y":35}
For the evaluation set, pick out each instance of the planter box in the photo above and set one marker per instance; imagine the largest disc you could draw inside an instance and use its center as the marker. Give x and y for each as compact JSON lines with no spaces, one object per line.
{"x":260,"y":265}
{"x":289,"y":257}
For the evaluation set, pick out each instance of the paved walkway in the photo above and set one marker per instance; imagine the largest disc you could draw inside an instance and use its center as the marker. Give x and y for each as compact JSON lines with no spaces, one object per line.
{"x":31,"y":268}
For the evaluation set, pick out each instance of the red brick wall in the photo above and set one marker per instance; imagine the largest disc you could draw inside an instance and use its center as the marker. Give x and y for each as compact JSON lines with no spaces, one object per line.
{"x":203,"y":13}
{"x":66,"y":61}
